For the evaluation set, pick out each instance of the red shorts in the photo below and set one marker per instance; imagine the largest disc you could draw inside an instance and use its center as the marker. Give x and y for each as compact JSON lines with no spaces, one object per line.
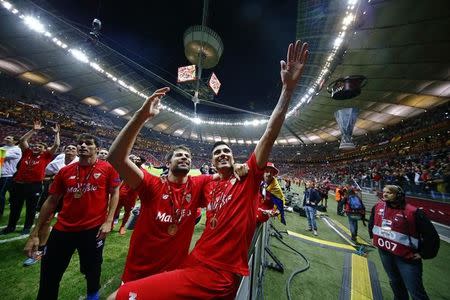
{"x":194,"y":280}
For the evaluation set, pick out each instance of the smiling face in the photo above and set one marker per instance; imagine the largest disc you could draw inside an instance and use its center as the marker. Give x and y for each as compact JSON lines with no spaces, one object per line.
{"x":38,"y":148}
{"x":222,"y":158}
{"x":180,"y":162}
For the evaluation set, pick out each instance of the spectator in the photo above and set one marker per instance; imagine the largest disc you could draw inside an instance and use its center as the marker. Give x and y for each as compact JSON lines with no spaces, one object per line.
{"x":355,"y":210}
{"x":27,"y":184}
{"x":310,"y":200}
{"x":11,"y":158}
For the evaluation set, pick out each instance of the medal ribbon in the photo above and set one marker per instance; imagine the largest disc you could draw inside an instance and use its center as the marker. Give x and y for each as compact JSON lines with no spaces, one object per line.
{"x":176,"y":205}
{"x":86,"y":178}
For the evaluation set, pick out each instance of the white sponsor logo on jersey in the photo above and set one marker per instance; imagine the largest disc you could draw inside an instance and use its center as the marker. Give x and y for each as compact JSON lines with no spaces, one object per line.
{"x":132,"y":296}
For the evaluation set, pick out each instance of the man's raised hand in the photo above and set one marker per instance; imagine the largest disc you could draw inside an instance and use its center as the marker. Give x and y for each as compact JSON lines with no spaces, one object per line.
{"x":37,"y":125}
{"x":292,"y":68}
{"x":151,"y":106}
{"x":57,"y":128}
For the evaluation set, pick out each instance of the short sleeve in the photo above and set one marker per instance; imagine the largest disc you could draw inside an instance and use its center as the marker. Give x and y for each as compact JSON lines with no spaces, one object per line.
{"x":114,"y":178}
{"x":201,"y":181}
{"x":57,"y":187}
{"x":147,"y":185}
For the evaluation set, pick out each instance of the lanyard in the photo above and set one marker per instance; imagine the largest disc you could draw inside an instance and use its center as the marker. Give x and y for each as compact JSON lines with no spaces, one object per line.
{"x":174,"y":203}
{"x":86,"y":178}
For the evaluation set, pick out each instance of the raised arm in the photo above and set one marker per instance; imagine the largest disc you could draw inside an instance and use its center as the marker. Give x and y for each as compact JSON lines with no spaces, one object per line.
{"x":57,"y":141}
{"x":122,"y":145}
{"x":23,"y":141}
{"x":291,"y":71}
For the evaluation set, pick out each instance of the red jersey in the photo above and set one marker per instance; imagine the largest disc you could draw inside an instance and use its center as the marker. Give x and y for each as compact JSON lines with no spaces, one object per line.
{"x":152,"y":249}
{"x":32,"y":167}
{"x":88,"y":210}
{"x":126,"y":192}
{"x":234,"y":204}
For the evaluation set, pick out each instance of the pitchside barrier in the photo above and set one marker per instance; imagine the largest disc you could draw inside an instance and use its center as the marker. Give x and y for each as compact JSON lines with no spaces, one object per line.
{"x":251,"y":286}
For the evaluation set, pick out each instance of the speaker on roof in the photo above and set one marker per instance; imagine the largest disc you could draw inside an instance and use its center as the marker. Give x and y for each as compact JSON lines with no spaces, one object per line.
{"x":347,"y":87}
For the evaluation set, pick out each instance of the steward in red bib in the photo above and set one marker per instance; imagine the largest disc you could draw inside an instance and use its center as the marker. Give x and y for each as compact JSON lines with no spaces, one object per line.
{"x":394,"y":230}
{"x":404,"y":236}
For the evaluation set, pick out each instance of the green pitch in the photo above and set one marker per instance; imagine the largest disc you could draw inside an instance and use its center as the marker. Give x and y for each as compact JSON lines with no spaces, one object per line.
{"x":321,"y":281}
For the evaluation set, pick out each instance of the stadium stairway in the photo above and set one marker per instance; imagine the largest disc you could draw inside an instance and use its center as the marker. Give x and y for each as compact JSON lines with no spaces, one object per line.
{"x":369,"y":200}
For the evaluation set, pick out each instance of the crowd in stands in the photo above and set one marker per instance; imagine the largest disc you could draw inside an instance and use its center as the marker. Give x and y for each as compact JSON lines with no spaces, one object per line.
{"x":412,"y":153}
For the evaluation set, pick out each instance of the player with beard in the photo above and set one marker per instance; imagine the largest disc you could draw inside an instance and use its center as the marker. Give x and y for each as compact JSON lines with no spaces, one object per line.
{"x":85,"y":188}
{"x":163,"y":231}
{"x":219,"y":258}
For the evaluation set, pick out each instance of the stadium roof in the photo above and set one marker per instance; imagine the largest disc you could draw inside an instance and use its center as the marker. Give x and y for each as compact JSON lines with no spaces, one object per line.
{"x":400,"y":46}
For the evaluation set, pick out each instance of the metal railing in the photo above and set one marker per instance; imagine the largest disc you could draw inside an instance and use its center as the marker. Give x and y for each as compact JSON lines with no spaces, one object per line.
{"x":251,"y":286}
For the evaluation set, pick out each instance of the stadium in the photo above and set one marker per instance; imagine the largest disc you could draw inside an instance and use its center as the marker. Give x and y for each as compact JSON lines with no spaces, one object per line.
{"x":368,"y":112}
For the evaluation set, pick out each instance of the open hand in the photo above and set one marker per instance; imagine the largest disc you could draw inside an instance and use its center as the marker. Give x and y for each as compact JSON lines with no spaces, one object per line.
{"x":292,"y":68}
{"x":37,"y":125}
{"x":152,"y":105}
{"x":57,"y":128}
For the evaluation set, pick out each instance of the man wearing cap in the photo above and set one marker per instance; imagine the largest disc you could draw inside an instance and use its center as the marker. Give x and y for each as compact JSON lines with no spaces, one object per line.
{"x":272,"y":201}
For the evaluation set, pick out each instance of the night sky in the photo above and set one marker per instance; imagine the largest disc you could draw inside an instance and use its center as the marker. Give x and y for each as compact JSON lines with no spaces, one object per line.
{"x":255,"y":34}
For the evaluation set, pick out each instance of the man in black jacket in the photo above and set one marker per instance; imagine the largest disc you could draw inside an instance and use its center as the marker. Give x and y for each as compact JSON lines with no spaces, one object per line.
{"x":310,"y":201}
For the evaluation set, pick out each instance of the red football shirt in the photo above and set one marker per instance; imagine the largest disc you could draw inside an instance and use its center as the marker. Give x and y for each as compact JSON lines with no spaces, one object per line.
{"x":32,"y":167}
{"x":127,"y":193}
{"x":226,"y":246}
{"x":90,"y":210}
{"x":152,"y":249}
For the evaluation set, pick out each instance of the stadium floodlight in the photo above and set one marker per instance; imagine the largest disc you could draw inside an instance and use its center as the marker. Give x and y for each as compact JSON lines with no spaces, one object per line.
{"x":96,"y":67}
{"x":348,"y":19}
{"x":79,"y":55}
{"x":190,"y":72}
{"x":7,"y":5}
{"x":34,"y":24}
{"x":338,"y":41}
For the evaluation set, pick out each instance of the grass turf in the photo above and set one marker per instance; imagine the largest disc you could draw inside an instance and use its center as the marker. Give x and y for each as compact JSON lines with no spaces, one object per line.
{"x":324,"y":277}
{"x":321,"y":281}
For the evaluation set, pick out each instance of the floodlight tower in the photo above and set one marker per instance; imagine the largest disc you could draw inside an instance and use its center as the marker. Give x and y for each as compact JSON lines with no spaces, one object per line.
{"x":203,"y":47}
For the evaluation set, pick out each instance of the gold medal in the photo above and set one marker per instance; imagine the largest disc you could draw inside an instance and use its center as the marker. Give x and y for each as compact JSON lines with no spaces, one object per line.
{"x":213,"y":222}
{"x":77,"y":195}
{"x":172,"y":229}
